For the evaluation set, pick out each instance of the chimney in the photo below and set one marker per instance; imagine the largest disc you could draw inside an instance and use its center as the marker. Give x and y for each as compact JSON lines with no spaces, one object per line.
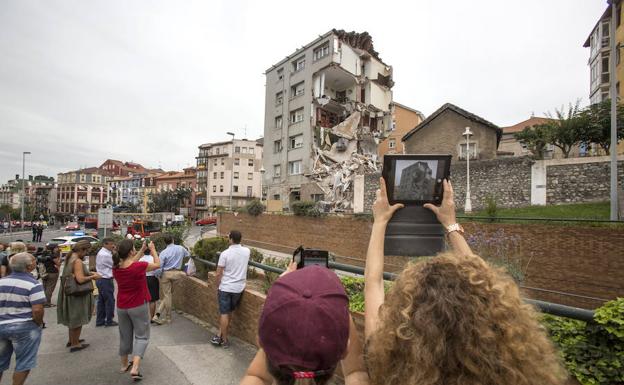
{"x":30,"y":177}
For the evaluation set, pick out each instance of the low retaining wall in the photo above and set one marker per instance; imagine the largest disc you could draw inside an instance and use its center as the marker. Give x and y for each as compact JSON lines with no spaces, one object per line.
{"x":578,"y":260}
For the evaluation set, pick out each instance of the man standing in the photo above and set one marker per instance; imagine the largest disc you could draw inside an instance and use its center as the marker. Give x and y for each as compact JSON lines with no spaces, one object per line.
{"x":231,"y":280}
{"x":39,"y":231}
{"x":21,"y":317}
{"x":171,"y":259}
{"x":105,"y":285}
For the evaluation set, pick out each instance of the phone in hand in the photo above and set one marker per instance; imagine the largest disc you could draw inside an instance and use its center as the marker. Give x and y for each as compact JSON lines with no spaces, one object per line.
{"x":309,"y":257}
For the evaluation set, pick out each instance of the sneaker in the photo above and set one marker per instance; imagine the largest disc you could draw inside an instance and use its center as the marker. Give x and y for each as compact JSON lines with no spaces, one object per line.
{"x":216,"y":340}
{"x":225,"y":344}
{"x":113,"y":323}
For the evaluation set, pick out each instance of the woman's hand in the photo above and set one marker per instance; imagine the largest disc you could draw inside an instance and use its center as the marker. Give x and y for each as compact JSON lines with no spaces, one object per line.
{"x":142,"y":249}
{"x":95,"y":276}
{"x":446,"y":212}
{"x":152,"y":247}
{"x":291,"y":267}
{"x":382,"y":211}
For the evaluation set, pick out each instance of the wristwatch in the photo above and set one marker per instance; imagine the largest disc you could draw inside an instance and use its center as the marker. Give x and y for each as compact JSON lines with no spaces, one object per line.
{"x":454,"y":227}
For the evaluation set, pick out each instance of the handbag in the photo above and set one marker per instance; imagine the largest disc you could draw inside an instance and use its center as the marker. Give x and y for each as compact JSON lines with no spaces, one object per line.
{"x":75,"y":289}
{"x":41,"y":269}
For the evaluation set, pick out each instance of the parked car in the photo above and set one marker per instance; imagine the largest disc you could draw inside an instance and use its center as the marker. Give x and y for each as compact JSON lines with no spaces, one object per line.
{"x":72,"y":226}
{"x":206,"y":221}
{"x":66,"y":243}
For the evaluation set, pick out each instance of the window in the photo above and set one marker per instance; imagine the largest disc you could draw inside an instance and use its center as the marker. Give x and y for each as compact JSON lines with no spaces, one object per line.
{"x":222,"y":175}
{"x":280,"y":74}
{"x":250,"y":175}
{"x":235,"y":175}
{"x":296,"y":142}
{"x":321,"y":51}
{"x":235,"y":189}
{"x":277,"y":146}
{"x":279,"y":98}
{"x":236,"y":161}
{"x":298,"y":64}
{"x":214,"y":188}
{"x":243,"y":150}
{"x":214,"y":175}
{"x":237,"y":150}
{"x":222,"y":161}
{"x":249,"y":191}
{"x":251,"y":150}
{"x":391,"y":143}
{"x":220,"y":188}
{"x":317,"y":197}
{"x":217,"y":151}
{"x":276,"y":197}
{"x":250,"y":162}
{"x":296,"y":116}
{"x":277,"y":171}
{"x":297,"y":90}
{"x":215,"y":162}
{"x":294,"y":168}
{"x":473,"y":150}
{"x":278,"y":122}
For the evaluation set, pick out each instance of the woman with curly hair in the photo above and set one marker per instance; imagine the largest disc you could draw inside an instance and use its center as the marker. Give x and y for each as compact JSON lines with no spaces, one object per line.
{"x":452,"y":319}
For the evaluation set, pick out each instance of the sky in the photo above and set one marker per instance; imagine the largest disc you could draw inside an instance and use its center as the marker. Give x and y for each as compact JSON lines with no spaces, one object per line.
{"x":149,"y":81}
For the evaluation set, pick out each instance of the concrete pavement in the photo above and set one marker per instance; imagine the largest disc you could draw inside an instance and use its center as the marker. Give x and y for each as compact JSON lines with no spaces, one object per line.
{"x":179,"y":353}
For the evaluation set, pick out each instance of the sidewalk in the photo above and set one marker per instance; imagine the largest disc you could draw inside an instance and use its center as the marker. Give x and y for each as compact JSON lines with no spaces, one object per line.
{"x":179,"y":353}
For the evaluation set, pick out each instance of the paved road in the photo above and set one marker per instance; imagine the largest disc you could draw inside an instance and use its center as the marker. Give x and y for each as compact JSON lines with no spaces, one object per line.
{"x":27,"y":236}
{"x":178,"y":354}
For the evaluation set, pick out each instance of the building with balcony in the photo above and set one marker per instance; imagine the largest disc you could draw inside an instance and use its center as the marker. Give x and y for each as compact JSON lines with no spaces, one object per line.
{"x":173,"y":180}
{"x":201,"y":195}
{"x":39,"y":195}
{"x":333,"y":94}
{"x":403,"y":119}
{"x":232,"y":167}
{"x":82,"y":191}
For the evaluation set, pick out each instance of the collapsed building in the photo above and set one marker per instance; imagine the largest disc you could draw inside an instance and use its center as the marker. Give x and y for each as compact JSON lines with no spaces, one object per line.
{"x":327,"y":107}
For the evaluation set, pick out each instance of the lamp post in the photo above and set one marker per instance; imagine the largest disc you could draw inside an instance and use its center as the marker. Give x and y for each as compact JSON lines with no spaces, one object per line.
{"x":231,"y":171}
{"x":468,"y":202}
{"x":262,"y":171}
{"x":613,"y":96}
{"x":23,"y":186}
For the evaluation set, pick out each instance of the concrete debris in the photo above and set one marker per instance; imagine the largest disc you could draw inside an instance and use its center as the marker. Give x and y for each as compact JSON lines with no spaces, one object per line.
{"x":347,"y":128}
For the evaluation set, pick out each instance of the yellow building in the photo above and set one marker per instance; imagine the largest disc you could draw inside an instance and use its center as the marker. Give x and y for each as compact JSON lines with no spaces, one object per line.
{"x":403,"y":120}
{"x":599,"y":43}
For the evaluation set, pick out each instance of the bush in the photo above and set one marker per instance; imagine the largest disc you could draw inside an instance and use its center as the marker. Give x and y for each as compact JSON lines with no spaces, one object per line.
{"x":208,"y":249}
{"x":255,"y":256}
{"x":270,"y":277}
{"x":255,"y":207}
{"x":593,"y":352}
{"x":491,"y":208}
{"x":305,"y":209}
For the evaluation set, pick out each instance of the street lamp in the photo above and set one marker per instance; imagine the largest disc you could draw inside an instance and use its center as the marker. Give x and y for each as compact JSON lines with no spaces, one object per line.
{"x":262,"y":171}
{"x":231,"y":171}
{"x":468,"y":203}
{"x":23,"y":185}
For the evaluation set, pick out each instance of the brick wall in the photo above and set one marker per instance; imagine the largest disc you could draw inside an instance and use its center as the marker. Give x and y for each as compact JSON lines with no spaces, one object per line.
{"x":585,"y":261}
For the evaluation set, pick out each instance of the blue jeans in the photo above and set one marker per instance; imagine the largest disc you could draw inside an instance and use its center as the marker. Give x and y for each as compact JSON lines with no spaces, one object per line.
{"x":228,"y":302}
{"x":106,"y":302}
{"x":23,"y":338}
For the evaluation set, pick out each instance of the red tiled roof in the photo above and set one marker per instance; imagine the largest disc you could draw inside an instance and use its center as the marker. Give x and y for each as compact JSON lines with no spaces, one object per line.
{"x":532,"y":121}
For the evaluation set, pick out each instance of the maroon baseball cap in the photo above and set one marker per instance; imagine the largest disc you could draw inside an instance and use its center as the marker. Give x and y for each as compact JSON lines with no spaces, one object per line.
{"x":305,"y":320}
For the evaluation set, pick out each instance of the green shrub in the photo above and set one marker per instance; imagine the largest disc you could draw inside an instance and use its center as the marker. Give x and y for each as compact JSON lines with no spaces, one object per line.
{"x":593,"y":352}
{"x":305,"y":209}
{"x":255,"y":256}
{"x":254,"y":207}
{"x":207,"y":249}
{"x":270,"y":277}
{"x":491,"y":207}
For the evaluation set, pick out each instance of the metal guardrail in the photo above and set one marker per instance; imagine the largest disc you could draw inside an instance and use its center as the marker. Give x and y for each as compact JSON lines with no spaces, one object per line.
{"x":545,"y":307}
{"x":582,"y":220}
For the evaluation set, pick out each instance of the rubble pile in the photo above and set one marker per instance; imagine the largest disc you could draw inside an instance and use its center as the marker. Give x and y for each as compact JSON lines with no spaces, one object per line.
{"x":344,"y":151}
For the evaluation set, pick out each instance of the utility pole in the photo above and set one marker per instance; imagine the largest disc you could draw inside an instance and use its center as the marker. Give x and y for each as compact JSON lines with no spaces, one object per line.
{"x":613,"y":96}
{"x":23,"y":186}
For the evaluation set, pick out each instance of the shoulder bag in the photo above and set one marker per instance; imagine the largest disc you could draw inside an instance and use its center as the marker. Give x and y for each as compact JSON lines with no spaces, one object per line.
{"x":75,"y":289}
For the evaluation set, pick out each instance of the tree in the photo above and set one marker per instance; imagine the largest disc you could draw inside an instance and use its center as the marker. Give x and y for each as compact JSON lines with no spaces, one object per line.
{"x":535,"y":138}
{"x":567,"y":130}
{"x":168,"y":200}
{"x":598,"y":117}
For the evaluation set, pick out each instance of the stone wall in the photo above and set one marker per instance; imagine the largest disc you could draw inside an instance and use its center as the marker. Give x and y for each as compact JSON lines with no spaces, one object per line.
{"x":581,"y":261}
{"x":583,"y":182}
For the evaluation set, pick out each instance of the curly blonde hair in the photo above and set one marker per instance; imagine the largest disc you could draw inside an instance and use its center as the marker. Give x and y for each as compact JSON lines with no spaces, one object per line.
{"x":456,"y":320}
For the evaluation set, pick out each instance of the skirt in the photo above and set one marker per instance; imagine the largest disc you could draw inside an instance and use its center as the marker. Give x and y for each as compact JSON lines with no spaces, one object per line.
{"x":153,"y":286}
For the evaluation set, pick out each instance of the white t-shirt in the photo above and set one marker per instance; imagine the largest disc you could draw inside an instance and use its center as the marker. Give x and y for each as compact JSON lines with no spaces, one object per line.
{"x":149,"y":259}
{"x":234,"y":262}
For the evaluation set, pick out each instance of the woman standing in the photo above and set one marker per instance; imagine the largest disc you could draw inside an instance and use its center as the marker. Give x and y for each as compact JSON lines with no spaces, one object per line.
{"x":52,"y":264}
{"x":75,"y":311}
{"x":153,"y":285}
{"x":132,"y":303}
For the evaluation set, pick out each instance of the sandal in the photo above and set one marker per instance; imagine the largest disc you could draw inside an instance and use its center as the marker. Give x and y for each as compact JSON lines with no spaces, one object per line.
{"x":137,"y":377}
{"x":78,"y":348}
{"x":126,"y":369}
{"x":67,"y":345}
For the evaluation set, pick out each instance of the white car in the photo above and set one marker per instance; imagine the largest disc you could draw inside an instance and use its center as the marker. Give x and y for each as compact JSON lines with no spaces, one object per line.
{"x":65,"y":243}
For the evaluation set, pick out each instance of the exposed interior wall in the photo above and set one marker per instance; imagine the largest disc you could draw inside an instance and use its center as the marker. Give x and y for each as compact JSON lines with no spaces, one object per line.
{"x":580,"y":260}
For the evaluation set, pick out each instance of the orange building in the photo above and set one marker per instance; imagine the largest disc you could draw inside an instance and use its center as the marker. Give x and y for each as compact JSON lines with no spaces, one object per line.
{"x":186,"y":179}
{"x":403,"y":120}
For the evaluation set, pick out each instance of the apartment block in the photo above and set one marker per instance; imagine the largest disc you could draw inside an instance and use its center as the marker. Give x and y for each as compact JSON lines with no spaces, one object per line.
{"x":224,"y":168}
{"x":82,"y":191}
{"x":172,"y":180}
{"x":39,"y":195}
{"x":404,"y":119}
{"x":324,"y":101}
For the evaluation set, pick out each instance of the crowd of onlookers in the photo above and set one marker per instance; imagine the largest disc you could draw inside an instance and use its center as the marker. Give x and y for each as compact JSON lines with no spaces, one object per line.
{"x":451,"y":319}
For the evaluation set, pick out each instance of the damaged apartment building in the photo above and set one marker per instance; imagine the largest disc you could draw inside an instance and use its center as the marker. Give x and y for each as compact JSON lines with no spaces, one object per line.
{"x":328,"y":105}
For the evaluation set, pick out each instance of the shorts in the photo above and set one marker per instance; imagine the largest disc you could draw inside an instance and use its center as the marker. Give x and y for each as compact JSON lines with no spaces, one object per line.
{"x":228,"y":302}
{"x":153,"y":285}
{"x":23,"y":338}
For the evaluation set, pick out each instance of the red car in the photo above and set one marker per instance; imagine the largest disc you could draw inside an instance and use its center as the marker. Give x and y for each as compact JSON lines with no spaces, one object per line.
{"x":72,"y":226}
{"x":206,"y":221}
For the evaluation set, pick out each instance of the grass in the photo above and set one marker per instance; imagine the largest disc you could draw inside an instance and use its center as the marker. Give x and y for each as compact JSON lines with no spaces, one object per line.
{"x":598,"y":211}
